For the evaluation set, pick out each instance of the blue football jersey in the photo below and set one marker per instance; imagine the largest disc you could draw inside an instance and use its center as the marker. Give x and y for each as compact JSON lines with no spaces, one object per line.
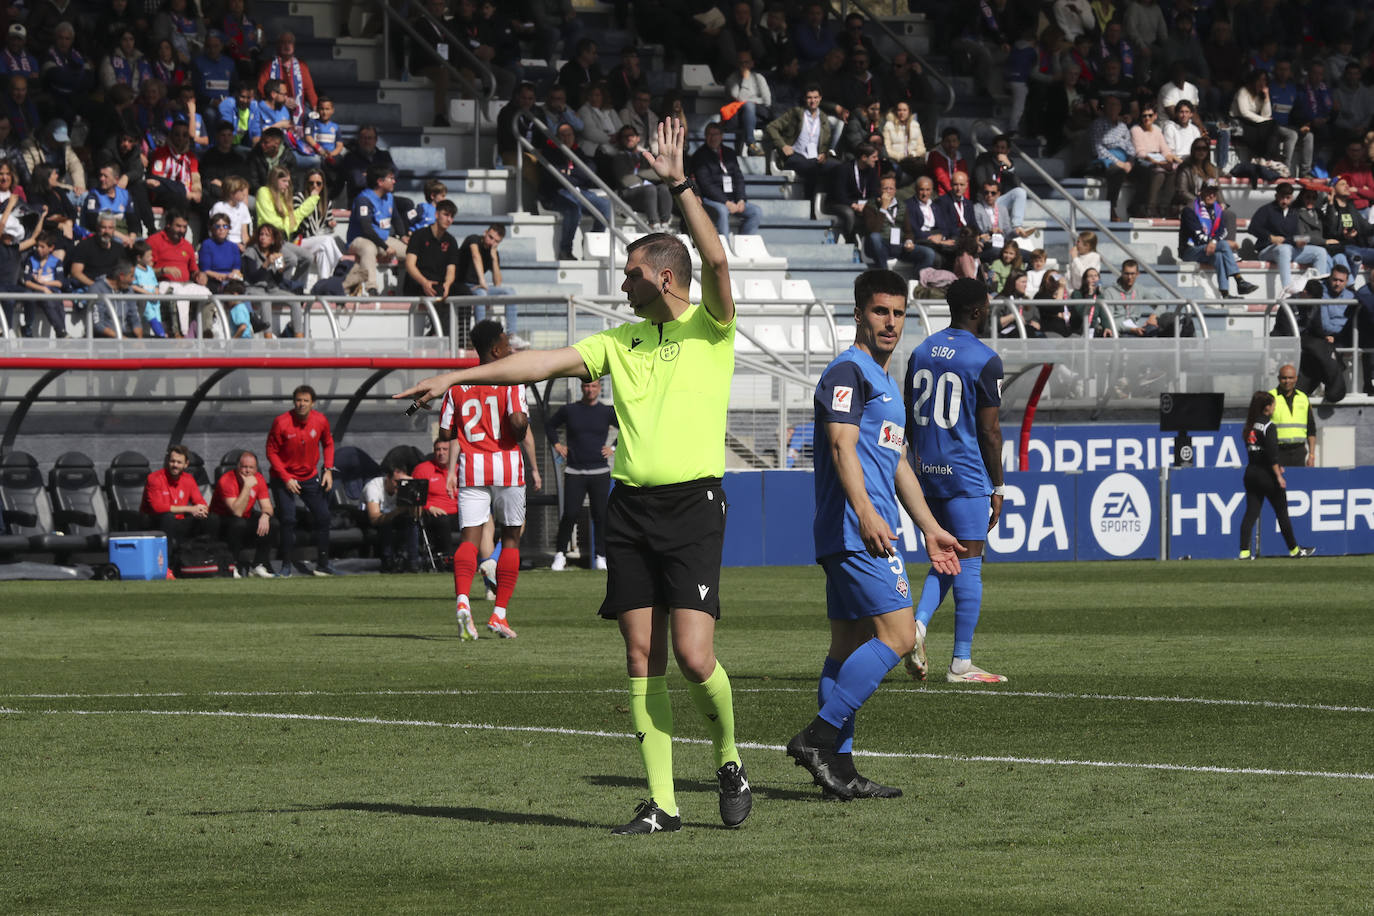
{"x":855,"y":390}
{"x":950,"y":375}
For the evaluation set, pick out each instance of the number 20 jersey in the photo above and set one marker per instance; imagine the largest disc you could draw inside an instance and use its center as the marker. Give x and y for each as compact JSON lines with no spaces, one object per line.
{"x":487,"y":456}
{"x":950,"y":375}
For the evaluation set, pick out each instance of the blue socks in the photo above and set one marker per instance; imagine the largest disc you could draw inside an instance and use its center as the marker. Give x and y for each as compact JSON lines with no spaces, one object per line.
{"x":968,"y":601}
{"x":854,"y":683}
{"x":829,"y":671}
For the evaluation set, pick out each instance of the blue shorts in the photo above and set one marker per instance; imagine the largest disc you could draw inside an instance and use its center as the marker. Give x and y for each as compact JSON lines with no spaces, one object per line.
{"x":858,"y":585}
{"x":965,"y":517}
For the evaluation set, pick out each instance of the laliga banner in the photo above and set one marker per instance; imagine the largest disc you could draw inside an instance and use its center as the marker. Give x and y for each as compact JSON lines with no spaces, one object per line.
{"x":1097,"y":516}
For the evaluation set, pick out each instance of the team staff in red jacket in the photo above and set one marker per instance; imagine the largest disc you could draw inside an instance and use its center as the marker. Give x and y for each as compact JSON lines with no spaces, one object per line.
{"x":172,"y":501}
{"x":293,"y":452}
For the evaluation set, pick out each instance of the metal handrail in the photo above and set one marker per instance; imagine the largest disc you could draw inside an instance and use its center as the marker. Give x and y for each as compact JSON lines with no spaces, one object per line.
{"x":616,"y":202}
{"x":480,"y":98}
{"x":1063,"y":223}
{"x":806,"y":333}
{"x":1078,"y":207}
{"x":901,"y":43}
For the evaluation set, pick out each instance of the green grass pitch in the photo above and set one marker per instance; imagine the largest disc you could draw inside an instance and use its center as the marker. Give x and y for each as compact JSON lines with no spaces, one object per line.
{"x":1187,"y":736}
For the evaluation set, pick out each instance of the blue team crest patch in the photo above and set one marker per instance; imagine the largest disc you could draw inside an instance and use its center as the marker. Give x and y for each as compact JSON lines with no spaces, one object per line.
{"x":902,"y":588}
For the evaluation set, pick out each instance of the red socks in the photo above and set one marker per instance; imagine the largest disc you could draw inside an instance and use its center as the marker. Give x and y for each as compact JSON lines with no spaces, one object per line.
{"x":507,"y":571}
{"x":464,"y":567}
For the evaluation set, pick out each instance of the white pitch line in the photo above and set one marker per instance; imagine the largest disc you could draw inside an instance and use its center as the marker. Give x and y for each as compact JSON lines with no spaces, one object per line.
{"x":989,"y":692}
{"x":544,"y":730}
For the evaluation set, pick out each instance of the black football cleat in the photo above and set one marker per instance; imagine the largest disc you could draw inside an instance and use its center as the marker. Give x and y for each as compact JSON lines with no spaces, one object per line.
{"x":819,"y":761}
{"x":649,"y":818}
{"x":736,"y":799}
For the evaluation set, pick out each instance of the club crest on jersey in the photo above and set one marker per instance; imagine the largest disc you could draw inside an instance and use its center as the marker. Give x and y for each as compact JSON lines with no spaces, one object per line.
{"x":890,"y":436}
{"x":902,"y":588}
{"x":841,"y":398}
{"x":313,"y":434}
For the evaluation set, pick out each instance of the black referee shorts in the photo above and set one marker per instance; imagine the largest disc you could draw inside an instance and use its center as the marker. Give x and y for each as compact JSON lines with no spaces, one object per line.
{"x":663,"y":547}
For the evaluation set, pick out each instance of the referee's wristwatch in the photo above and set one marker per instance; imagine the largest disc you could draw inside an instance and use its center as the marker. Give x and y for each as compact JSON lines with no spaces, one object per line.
{"x":687,"y":185}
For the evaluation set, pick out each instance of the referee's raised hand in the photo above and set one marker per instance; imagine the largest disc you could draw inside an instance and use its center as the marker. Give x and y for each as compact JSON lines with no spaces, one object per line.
{"x":672,"y":138}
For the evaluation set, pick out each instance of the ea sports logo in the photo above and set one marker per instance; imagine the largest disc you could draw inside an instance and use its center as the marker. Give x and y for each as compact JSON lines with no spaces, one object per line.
{"x":1121,"y":515}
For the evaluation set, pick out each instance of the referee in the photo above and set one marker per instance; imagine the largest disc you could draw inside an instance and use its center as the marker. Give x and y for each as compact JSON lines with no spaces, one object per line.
{"x":666,"y":518}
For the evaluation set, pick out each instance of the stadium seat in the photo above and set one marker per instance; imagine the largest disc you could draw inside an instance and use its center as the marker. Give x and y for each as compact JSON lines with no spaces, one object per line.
{"x":698,"y":78}
{"x":797,"y":291}
{"x":124,"y":480}
{"x":28,"y":511}
{"x":79,"y":508}
{"x":229,"y":461}
{"x":195,"y":466}
{"x":759,"y":290}
{"x":355,"y":468}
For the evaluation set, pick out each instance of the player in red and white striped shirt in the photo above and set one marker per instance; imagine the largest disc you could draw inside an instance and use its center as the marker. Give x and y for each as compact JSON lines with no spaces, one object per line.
{"x":488,"y":474}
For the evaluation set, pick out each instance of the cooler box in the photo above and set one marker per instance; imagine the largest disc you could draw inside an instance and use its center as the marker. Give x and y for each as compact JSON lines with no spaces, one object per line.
{"x":140,"y":554}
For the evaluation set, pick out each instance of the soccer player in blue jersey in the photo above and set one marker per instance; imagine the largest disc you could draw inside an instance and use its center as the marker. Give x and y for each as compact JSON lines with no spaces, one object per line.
{"x":859,"y":464}
{"x":953,"y":392}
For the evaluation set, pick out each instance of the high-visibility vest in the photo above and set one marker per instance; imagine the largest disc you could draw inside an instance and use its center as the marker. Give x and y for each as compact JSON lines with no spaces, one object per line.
{"x":1291,"y":423}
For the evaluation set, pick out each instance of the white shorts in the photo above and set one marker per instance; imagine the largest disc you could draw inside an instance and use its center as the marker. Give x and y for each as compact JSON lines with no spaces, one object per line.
{"x":475,"y":504}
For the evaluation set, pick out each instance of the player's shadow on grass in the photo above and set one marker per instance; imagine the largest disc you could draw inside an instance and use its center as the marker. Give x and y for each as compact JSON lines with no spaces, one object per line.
{"x":446,"y":812}
{"x":388,"y":636}
{"x":698,"y":785}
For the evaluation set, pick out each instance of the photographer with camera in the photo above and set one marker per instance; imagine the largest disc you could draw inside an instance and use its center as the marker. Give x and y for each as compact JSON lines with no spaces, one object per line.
{"x":392,"y":501}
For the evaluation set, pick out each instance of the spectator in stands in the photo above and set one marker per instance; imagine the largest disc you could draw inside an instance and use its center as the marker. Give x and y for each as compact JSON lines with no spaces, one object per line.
{"x":297,"y":87}
{"x":1084,"y":256}
{"x":720,"y":182}
{"x":430,"y":56}
{"x":321,"y":137}
{"x":992,"y":222}
{"x":884,"y":225}
{"x":832,"y":77}
{"x":803,"y":137}
{"x":233,"y":203}
{"x":922,"y":243}
{"x":125,"y":65}
{"x":784,"y":85}
{"x":1328,"y":327}
{"x":237,"y":110}
{"x":172,"y":503}
{"x":1177,"y":90}
{"x":15,"y":59}
{"x":294,"y":446}
{"x":1154,"y":162}
{"x":813,"y":37}
{"x":1133,"y":317}
{"x":68,"y":76}
{"x":986,"y":33}
{"x":116,"y":279}
{"x":182,"y":26}
{"x":1283,"y":98}
{"x":238,"y":493}
{"x":496,"y":31}
{"x":1356,"y":167}
{"x":175,"y":262}
{"x":164,"y":65}
{"x":212,"y":73}
{"x":241,"y":39}
{"x":1181,"y":56}
{"x":1113,"y":46}
{"x":1348,"y":236}
{"x":1067,"y":111}
{"x":995,"y":166}
{"x":556,"y":111}
{"x":221,"y":161}
{"x":20,"y":108}
{"x":1314,"y":109}
{"x":750,"y":89}
{"x":183,"y":105}
{"x":1267,"y":140}
{"x":580,"y":73}
{"x":431,"y":261}
{"x":1188,"y":180}
{"x":1182,"y":132}
{"x":954,"y":215}
{"x":1225,"y":66}
{"x":174,"y":173}
{"x":440,"y":515}
{"x":625,"y":79}
{"x":270,"y":266}
{"x":945,"y":160}
{"x":1275,"y":228}
{"x":518,"y":118}
{"x":42,"y":273}
{"x":315,"y":231}
{"x":628,"y":170}
{"x":1074,"y":18}
{"x":375,"y":232}
{"x":108,"y":197}
{"x":97,"y":254}
{"x":397,"y":525}
{"x":601,"y":123}
{"x":1365,"y":327}
{"x":270,"y":111}
{"x":1354,"y":102}
{"x":774,"y":37}
{"x":564,"y":201}
{"x":1111,"y":82}
{"x":1146,"y":30}
{"x":904,"y":143}
{"x":113,"y":20}
{"x":865,"y":125}
{"x":275,"y":207}
{"x":52,"y":145}
{"x":854,"y":185}
{"x":479,"y":274}
{"x":860,"y":84}
{"x":220,"y":257}
{"x":1205,"y":238}
{"x":1113,"y":149}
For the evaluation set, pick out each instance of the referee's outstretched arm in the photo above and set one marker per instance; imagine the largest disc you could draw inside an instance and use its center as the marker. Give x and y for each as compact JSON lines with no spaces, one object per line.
{"x":516,"y":369}
{"x":715,"y":272}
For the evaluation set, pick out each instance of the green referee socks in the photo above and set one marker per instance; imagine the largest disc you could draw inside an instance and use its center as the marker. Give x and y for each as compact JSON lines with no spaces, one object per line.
{"x":714,"y":701}
{"x":651,"y":713}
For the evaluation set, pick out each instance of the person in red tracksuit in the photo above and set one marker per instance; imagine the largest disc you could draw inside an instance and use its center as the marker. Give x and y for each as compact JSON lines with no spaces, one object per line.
{"x":172,"y":501}
{"x":293,"y":452}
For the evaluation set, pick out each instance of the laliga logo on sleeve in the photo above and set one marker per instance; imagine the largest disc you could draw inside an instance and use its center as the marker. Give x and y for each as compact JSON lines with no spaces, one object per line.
{"x":842,"y":397}
{"x":1120,"y":515}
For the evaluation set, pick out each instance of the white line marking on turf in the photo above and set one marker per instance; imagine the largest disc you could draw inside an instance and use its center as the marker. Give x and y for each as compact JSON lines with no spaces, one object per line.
{"x":935,"y":692}
{"x":544,"y":730}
